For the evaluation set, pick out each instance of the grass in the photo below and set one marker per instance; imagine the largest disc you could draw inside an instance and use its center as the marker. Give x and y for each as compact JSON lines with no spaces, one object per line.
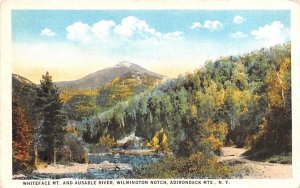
{"x":282,"y":159}
{"x":268,"y":156}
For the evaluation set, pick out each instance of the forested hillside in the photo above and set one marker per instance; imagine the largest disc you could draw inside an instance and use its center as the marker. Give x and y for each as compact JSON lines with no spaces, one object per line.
{"x":82,"y":102}
{"x":243,"y":100}
{"x":240,"y":100}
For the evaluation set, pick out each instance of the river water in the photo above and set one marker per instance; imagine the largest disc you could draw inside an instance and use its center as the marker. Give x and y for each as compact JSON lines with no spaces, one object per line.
{"x":106,"y":166}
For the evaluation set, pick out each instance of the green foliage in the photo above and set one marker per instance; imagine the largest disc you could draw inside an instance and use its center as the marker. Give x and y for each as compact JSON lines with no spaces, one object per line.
{"x":283,"y":158}
{"x":244,"y":99}
{"x":122,"y":88}
{"x":74,"y":149}
{"x":196,"y":166}
{"x":276,"y":136}
{"x":80,"y":106}
{"x":267,"y":156}
{"x":53,"y":118}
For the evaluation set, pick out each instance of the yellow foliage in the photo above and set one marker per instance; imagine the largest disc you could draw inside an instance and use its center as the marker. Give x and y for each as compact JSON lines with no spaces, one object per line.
{"x":215,"y":134}
{"x":198,"y":97}
{"x":214,"y":142}
{"x":71,"y":130}
{"x":41,"y":165}
{"x":159,"y":142}
{"x":193,"y":110}
{"x":154,"y":143}
{"x":68,"y":93}
{"x":107,"y":141}
{"x":241,"y":99}
{"x":237,"y":95}
{"x":165,"y":144}
{"x":278,"y":84}
{"x":219,"y":98}
{"x":116,"y":80}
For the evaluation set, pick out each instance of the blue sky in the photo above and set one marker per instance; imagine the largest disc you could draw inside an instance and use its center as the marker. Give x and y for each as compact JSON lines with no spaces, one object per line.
{"x":71,"y":44}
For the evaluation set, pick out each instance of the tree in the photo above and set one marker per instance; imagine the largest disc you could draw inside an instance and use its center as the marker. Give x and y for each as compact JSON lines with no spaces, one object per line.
{"x":103,"y":97}
{"x":25,"y":92}
{"x":279,"y":121}
{"x":53,"y":118}
{"x":22,"y":140}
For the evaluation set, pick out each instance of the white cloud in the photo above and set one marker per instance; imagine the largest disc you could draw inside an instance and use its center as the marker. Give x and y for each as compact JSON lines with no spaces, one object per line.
{"x":47,"y":32}
{"x":79,"y":31}
{"x":238,"y":19}
{"x":130,"y":27}
{"x":271,"y":34}
{"x":195,"y":25}
{"x":102,"y":28}
{"x":213,"y":25}
{"x":173,"y":35}
{"x":238,"y":35}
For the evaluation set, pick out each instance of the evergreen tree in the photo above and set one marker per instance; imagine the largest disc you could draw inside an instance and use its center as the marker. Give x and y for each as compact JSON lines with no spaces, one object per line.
{"x":53,"y":118}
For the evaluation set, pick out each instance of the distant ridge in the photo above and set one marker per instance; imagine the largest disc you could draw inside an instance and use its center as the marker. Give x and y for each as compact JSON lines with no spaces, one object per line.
{"x":106,"y":75}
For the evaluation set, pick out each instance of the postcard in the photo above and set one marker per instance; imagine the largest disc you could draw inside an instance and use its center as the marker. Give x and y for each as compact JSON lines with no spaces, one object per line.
{"x":149,"y":93}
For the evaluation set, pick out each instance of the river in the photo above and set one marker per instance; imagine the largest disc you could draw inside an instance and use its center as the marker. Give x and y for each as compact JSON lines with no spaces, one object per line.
{"x":100,"y":166}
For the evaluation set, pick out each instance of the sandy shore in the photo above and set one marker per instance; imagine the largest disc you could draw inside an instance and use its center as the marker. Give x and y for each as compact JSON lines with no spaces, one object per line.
{"x":81,"y":168}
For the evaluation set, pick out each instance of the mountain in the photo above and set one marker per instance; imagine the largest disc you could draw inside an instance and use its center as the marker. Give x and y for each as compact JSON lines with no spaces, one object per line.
{"x":22,"y":87}
{"x":106,"y":75}
{"x":17,"y":79}
{"x":24,"y":91}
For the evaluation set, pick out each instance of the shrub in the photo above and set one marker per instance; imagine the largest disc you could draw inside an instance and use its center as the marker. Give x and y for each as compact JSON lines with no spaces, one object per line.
{"x":159,"y":142}
{"x":196,"y":166}
{"x":74,"y":149}
{"x":107,"y":141}
{"x":215,"y":135}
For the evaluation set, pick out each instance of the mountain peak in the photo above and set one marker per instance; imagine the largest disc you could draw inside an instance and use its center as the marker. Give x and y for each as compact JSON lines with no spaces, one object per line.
{"x":125,"y":64}
{"x":106,"y":75}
